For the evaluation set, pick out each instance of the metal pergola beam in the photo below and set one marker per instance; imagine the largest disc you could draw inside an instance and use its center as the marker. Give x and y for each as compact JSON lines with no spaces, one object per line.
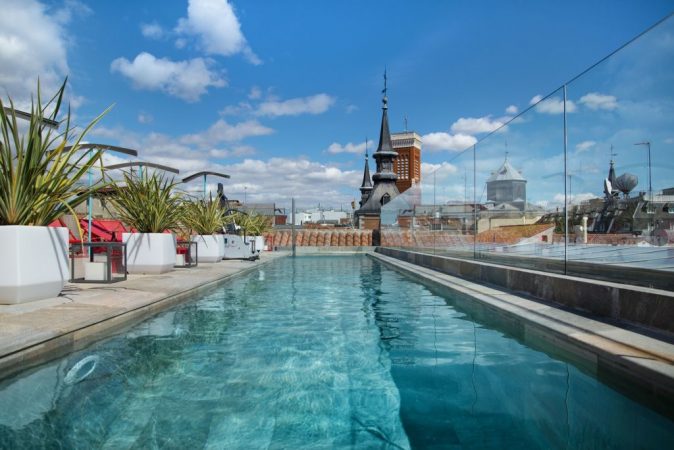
{"x":92,"y":146}
{"x":27,"y":116}
{"x":203,"y":174}
{"x":142,"y":164}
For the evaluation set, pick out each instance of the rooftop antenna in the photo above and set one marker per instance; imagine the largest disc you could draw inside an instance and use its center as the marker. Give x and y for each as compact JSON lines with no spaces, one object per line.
{"x":612,"y":153}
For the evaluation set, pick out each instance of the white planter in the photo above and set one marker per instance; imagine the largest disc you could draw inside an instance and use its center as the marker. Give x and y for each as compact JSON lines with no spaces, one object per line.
{"x":34,"y":263}
{"x":150,"y":252}
{"x":221,"y":243}
{"x":95,"y":271}
{"x":210,"y":248}
{"x":259,"y":244}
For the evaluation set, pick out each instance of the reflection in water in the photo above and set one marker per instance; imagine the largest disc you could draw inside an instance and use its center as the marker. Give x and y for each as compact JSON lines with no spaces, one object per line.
{"x":322,"y":353}
{"x":498,"y":394}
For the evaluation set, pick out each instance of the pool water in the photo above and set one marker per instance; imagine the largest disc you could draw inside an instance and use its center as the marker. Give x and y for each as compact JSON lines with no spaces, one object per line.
{"x":321,"y":352}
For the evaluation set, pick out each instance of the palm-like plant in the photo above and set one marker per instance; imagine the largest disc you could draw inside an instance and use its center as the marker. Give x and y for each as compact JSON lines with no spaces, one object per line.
{"x":253,"y":224}
{"x":39,"y":172}
{"x":148,"y":203}
{"x":203,"y":217}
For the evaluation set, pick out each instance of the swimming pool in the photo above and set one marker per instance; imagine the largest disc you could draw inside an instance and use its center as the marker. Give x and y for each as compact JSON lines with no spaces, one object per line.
{"x":320,"y":352}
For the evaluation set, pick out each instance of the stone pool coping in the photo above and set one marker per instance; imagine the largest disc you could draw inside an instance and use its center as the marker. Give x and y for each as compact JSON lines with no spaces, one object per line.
{"x":603,"y":349}
{"x":38,"y":331}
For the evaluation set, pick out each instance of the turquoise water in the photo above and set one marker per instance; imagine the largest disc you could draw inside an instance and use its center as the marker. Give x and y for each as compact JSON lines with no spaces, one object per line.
{"x":321,"y":352}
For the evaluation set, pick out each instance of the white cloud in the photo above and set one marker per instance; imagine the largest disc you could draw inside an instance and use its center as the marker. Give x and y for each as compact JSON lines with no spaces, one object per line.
{"x":336,"y":148}
{"x":473,"y":125}
{"x":255,"y":93}
{"x":439,"y":141}
{"x":595,"y":101}
{"x":315,"y":104}
{"x":145,"y":118}
{"x":552,"y":105}
{"x":351,"y":108}
{"x":443,"y":169}
{"x":585,"y":146}
{"x":221,"y":131}
{"x":152,"y":30}
{"x":270,"y":180}
{"x":33,"y":42}
{"x":512,"y":109}
{"x":187,"y":80}
{"x":535,"y":99}
{"x":235,"y":110}
{"x":215,"y":24}
{"x":574,"y":199}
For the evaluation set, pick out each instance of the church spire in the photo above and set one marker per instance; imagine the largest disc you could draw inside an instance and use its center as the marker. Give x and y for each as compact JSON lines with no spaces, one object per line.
{"x":611,"y":170}
{"x":366,"y":186}
{"x":385,"y":144}
{"x":367,"y":181}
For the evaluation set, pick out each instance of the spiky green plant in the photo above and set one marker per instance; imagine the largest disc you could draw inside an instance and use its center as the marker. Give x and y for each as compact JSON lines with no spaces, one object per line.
{"x":203,"y":217}
{"x":39,"y":171}
{"x":256,"y":224}
{"x":148,"y":203}
{"x":252,"y":224}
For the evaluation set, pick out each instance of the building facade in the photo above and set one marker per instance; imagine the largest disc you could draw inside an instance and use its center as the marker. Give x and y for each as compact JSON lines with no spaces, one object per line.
{"x":407,"y":164}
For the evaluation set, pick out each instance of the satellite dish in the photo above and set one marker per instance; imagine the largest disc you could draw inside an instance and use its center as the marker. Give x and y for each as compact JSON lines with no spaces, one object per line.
{"x":626,"y":182}
{"x":607,"y":187}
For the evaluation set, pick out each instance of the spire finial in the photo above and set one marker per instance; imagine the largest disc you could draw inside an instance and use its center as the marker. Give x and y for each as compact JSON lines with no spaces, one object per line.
{"x":612,"y":153}
{"x":385,"y":90}
{"x":365,"y":147}
{"x":405,"y":122}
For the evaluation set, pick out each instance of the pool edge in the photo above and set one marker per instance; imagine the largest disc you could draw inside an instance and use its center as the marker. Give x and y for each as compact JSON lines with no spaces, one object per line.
{"x":604,"y":349}
{"x":58,"y":343}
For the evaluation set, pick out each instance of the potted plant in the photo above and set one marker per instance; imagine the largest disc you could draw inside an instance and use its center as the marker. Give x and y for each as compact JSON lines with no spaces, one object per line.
{"x":255,"y":225}
{"x":149,"y":206}
{"x":205,"y":219}
{"x":39,"y":183}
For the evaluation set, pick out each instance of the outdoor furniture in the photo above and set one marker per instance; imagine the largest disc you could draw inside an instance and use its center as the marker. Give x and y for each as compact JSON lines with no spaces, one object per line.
{"x":105,"y":263}
{"x":187,"y":253}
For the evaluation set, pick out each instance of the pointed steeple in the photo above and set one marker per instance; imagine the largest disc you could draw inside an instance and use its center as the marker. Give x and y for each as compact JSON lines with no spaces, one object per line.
{"x":367,"y":181}
{"x":385,"y":153}
{"x":366,"y":186}
{"x":385,"y":144}
{"x":611,"y":170}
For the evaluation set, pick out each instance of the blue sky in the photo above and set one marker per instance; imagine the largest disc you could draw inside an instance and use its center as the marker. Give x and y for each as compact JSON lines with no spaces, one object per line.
{"x":281,"y":95}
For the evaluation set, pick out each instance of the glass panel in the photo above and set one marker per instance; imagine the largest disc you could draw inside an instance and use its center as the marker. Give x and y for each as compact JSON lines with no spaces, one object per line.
{"x":621,"y":174}
{"x":520,"y":180}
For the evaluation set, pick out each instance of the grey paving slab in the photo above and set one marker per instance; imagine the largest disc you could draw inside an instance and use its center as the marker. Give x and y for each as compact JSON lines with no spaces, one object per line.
{"x":36,"y":331}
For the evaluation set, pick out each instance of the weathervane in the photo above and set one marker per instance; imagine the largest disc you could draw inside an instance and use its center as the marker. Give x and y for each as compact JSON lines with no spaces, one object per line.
{"x":385,"y":99}
{"x":612,"y":153}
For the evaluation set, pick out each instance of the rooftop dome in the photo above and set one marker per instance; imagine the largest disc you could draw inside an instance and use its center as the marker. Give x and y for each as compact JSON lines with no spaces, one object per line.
{"x":506,"y":172}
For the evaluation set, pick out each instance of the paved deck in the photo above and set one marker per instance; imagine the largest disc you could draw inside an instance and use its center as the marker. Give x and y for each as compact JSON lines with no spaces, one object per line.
{"x":33,"y":332}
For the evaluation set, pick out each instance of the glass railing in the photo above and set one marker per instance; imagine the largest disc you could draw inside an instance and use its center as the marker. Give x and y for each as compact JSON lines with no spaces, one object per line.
{"x":581,"y":182}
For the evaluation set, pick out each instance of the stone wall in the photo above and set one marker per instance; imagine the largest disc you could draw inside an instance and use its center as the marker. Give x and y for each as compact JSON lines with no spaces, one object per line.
{"x":363,"y":238}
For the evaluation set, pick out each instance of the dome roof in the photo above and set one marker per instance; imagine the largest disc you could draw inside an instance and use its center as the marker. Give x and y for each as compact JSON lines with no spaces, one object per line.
{"x":506,"y":173}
